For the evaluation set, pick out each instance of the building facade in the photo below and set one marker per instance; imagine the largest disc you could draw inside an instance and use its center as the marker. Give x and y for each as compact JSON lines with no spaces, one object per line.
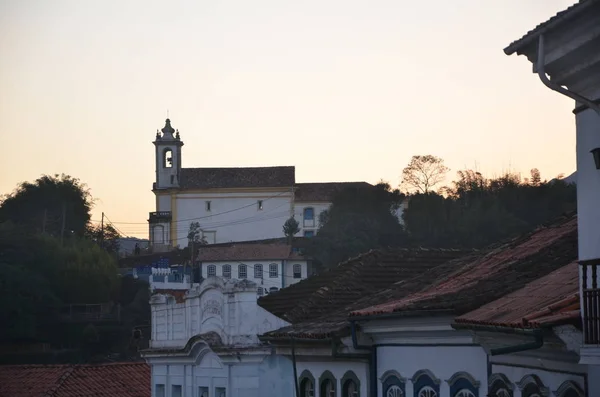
{"x":230,"y":204}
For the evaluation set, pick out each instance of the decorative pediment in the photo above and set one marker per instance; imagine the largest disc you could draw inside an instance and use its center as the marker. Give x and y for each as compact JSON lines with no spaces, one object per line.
{"x":567,"y":386}
{"x":533,"y":379}
{"x":463,"y":375}
{"x":390,"y":373}
{"x":497,"y":377}
{"x":425,"y":372}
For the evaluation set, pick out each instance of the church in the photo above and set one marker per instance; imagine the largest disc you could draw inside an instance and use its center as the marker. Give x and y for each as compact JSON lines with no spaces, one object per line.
{"x":230,"y":204}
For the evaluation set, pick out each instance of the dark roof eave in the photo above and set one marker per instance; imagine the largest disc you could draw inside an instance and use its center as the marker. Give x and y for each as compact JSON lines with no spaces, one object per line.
{"x":553,"y":23}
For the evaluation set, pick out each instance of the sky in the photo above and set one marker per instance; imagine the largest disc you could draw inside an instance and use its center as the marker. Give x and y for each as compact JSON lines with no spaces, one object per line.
{"x":345,"y":90}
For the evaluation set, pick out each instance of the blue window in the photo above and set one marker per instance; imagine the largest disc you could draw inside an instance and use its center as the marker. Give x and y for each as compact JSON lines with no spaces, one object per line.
{"x":309,"y":233}
{"x":393,"y":384}
{"x":309,"y":214}
{"x":462,"y":384}
{"x":425,"y":384}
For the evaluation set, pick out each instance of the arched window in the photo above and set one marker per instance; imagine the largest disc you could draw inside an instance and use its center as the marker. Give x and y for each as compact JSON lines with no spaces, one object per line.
{"x":307,"y":384}
{"x":350,"y":385}
{"x":242,"y":271}
{"x":226,"y":271}
{"x":273,"y":271}
{"x":393,"y":384}
{"x":532,"y":386}
{"x":462,"y":384}
{"x":327,"y":385}
{"x":500,"y":386}
{"x":569,"y":389}
{"x":297,"y":271}
{"x":167,"y":158}
{"x":425,"y":384}
{"x":258,"y":271}
{"x":211,"y":270}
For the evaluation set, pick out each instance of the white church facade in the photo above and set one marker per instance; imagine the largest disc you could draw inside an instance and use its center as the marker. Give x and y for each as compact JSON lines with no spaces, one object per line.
{"x":230,"y":204}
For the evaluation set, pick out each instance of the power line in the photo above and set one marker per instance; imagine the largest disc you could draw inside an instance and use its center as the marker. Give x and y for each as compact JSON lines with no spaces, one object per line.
{"x":206,"y":216}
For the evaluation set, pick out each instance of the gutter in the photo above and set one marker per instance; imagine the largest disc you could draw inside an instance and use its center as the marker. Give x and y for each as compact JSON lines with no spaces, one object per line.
{"x":538,"y":337}
{"x":541,"y":71}
{"x":372,"y":359}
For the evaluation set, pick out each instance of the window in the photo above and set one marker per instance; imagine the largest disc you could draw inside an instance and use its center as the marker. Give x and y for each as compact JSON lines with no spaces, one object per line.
{"x":464,"y":393}
{"x":532,"y":386}
{"x":203,"y":391}
{"x":297,"y":271}
{"x":350,"y":385}
{"x":499,"y":386}
{"x":327,"y":385}
{"x":168,"y":158}
{"x":158,"y":234}
{"x":273,"y":270}
{"x":260,"y":291}
{"x":569,"y":388}
{"x":160,"y":390}
{"x":393,"y":384}
{"x":259,"y":204}
{"x":309,"y":214}
{"x":220,"y":392}
{"x":211,"y":270}
{"x":462,"y":384}
{"x":207,"y":206}
{"x":226,"y":271}
{"x":242,"y":271}
{"x":309,"y":233}
{"x":258,"y":271}
{"x":307,"y":384}
{"x":426,"y":384}
{"x":176,"y":391}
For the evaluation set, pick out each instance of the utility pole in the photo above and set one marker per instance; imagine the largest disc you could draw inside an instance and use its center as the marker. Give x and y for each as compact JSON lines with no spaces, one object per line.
{"x":64,"y":218}
{"x":102,"y":231}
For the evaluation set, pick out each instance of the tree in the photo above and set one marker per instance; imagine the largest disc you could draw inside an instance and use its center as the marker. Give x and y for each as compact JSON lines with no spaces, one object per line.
{"x":107,"y":237}
{"x":52,"y":204}
{"x":290,"y":228}
{"x":359,"y":219}
{"x":195,"y":235}
{"x":423,"y":173}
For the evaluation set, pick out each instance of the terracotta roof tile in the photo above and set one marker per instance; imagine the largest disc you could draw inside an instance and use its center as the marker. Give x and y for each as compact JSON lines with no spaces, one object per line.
{"x":319,"y":305}
{"x":214,"y":178}
{"x":530,"y":37}
{"x":103,"y":380}
{"x":549,"y":299}
{"x":323,"y":192}
{"x":246,"y":252}
{"x":178,"y":294}
{"x":470,"y":282}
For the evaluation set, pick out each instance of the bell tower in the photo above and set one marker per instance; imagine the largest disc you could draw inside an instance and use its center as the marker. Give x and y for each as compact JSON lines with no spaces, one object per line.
{"x":168,"y":158}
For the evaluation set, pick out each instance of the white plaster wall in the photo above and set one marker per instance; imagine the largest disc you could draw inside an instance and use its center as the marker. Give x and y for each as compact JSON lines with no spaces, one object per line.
{"x":550,"y":379}
{"x":234,"y":216}
{"x":288,"y":267}
{"x":299,"y":215}
{"x":338,"y":369}
{"x":442,"y":361}
{"x":588,"y":185}
{"x":164,"y":203}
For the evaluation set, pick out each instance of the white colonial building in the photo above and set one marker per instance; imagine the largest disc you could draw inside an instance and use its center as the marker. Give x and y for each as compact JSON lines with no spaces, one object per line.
{"x":230,"y":204}
{"x":270,"y":265}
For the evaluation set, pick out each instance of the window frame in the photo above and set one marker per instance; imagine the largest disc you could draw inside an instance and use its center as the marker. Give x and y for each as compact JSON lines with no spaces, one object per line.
{"x":258,"y":271}
{"x":327,"y":376}
{"x":392,"y":378}
{"x":245,"y":268}
{"x":425,"y":378}
{"x":226,"y":270}
{"x":297,"y":266}
{"x":273,"y":273}
{"x":306,"y":375}
{"x":208,"y":271}
{"x":463,"y":381}
{"x":350,"y":376}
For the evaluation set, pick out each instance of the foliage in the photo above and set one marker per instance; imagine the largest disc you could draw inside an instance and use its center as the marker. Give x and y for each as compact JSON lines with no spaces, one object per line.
{"x":477,"y":211}
{"x":106,"y":237}
{"x":423,"y":173}
{"x":42,"y":205}
{"x":195,"y":235}
{"x":290,"y":228}
{"x":359,"y":219}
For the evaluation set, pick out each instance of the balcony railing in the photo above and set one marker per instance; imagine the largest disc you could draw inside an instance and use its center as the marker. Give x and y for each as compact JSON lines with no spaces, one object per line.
{"x":159,"y":216}
{"x":591,"y":304}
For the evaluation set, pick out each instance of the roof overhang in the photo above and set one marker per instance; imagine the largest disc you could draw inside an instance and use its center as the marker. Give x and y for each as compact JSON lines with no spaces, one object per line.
{"x":571,"y":46}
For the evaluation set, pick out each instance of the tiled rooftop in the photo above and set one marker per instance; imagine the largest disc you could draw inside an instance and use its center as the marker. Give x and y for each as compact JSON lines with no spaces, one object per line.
{"x":320,"y":304}
{"x":246,"y":252}
{"x":323,"y":192}
{"x":552,"y":298}
{"x":242,"y":177}
{"x":104,"y":380}
{"x":470,"y":282}
{"x":178,"y":294}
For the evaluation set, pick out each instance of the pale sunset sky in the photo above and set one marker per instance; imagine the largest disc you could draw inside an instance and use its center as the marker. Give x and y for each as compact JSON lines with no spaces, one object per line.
{"x":345,"y":90}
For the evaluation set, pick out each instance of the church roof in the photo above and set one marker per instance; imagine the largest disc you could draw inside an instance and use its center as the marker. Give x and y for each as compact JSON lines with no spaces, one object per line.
{"x":323,"y":191}
{"x":237,"y":177}
{"x":246,"y":252}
